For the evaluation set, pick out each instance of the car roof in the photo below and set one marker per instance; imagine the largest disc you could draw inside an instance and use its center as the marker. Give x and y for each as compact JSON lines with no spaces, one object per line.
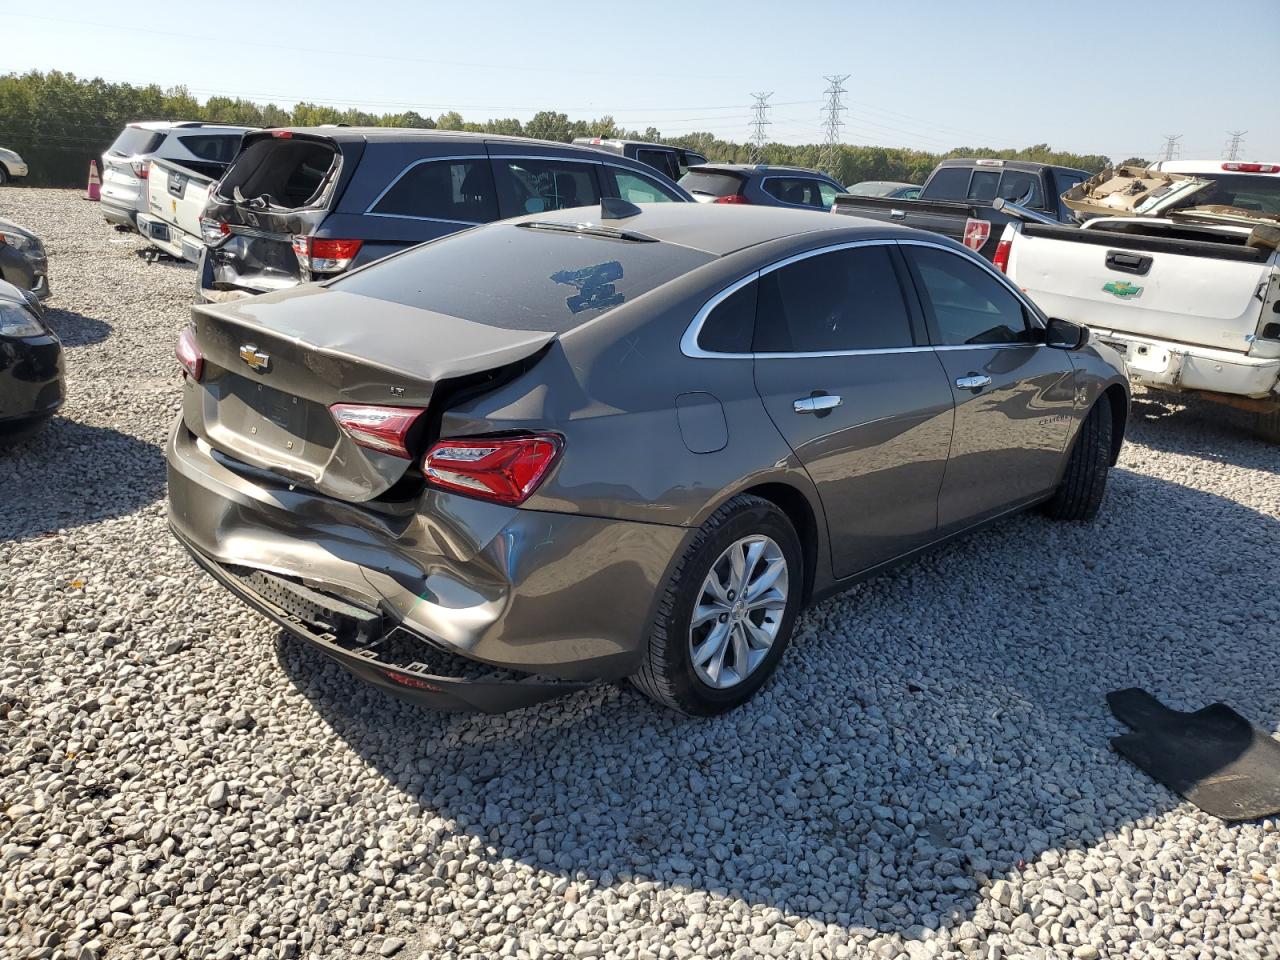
{"x":1210,"y":166}
{"x":761,"y":168}
{"x":1030,"y":166}
{"x":720,"y":230}
{"x":379,"y":134}
{"x":183,"y":124}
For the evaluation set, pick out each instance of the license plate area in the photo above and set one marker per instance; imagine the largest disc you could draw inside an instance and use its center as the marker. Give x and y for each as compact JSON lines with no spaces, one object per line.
{"x":270,"y":418}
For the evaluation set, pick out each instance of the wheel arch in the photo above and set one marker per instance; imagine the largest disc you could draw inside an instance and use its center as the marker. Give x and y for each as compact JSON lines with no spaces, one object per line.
{"x":792,"y":502}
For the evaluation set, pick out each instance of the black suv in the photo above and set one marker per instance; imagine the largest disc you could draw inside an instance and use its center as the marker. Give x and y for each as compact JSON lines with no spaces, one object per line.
{"x":761,"y":184}
{"x":307,"y":203}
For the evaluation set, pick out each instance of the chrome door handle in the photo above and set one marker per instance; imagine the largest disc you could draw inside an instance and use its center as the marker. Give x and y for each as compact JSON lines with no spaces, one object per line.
{"x":898,"y":214}
{"x":816,"y":404}
{"x":973,"y":382}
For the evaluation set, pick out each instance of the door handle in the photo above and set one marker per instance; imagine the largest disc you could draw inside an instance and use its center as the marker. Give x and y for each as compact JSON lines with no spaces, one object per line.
{"x":1128,"y":262}
{"x":898,"y":214}
{"x":973,"y":382}
{"x":817,"y":404}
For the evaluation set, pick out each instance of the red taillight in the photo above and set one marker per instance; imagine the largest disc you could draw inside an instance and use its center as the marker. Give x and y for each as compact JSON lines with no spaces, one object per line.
{"x":213,"y":232}
{"x":188,"y":353}
{"x":325,"y":255}
{"x":503,"y":469}
{"x":141,"y":168}
{"x":1001,"y":260}
{"x":731,"y":198}
{"x":385,"y":429}
{"x":1252,"y":167}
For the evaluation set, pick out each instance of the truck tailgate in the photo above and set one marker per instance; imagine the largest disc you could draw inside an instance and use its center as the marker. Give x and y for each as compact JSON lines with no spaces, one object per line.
{"x":1194,"y":292}
{"x":177,"y":196}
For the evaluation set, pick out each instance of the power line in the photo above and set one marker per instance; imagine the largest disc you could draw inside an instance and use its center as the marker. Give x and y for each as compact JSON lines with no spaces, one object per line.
{"x":1237,"y":141}
{"x":833,"y":112}
{"x":759,"y":120}
{"x":1171,"y":149}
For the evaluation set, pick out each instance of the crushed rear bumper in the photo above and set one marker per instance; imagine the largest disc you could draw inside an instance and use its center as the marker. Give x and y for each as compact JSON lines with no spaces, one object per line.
{"x":1165,"y":365}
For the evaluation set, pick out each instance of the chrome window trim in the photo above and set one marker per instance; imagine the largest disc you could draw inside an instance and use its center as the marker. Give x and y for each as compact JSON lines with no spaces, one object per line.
{"x":689,"y":341}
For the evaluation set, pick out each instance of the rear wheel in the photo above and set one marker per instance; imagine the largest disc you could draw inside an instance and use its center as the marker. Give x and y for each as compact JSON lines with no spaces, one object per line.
{"x":1079,"y":495}
{"x":4,"y":175}
{"x":1267,"y":426}
{"x":727,"y":611}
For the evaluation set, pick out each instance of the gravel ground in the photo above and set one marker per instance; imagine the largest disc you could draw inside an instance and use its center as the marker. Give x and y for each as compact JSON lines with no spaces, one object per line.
{"x":929,"y":774}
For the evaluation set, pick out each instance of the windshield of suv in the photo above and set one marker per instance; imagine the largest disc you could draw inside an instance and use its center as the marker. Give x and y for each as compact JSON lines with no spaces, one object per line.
{"x":711,"y":184}
{"x":135,"y":140}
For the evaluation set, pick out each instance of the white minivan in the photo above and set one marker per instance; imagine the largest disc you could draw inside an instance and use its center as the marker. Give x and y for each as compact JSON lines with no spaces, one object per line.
{"x":203,"y":147}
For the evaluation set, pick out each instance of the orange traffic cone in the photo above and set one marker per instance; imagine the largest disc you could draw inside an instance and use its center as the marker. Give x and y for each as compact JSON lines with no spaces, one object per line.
{"x":94,"y":190}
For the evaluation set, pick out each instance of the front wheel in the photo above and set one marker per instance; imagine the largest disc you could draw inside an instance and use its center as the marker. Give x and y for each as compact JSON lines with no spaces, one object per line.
{"x":1084,"y":481}
{"x":727,"y":611}
{"x":4,"y":175}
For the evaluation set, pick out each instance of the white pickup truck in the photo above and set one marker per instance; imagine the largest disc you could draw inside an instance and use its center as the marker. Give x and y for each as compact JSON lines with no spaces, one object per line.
{"x":176,"y":196}
{"x":1180,"y":274}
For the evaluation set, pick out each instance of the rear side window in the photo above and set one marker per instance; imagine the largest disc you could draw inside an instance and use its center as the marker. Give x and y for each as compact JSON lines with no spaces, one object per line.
{"x":947,"y":183}
{"x":538,"y":185}
{"x":711,"y":184}
{"x":968,"y":304}
{"x":688,"y":159}
{"x":983,"y":186}
{"x":456,"y":190}
{"x":1021,"y":187}
{"x":844,"y":300}
{"x":664,"y":161}
{"x":522,"y":278}
{"x":729,"y":326}
{"x":288,"y":172}
{"x":216,"y":148}
{"x":800,"y":191}
{"x":135,"y":140}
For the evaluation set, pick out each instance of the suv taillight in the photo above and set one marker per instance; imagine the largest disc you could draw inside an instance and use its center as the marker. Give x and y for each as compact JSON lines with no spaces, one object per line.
{"x":385,"y":429}
{"x":503,"y":469}
{"x":141,"y":168}
{"x":731,"y":198}
{"x":188,"y":353}
{"x":1001,"y":259}
{"x":213,"y":232}
{"x":325,"y":255}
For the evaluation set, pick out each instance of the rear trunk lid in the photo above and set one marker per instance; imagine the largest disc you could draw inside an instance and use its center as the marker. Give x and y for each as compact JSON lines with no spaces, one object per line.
{"x":274,"y":365}
{"x":281,"y":185}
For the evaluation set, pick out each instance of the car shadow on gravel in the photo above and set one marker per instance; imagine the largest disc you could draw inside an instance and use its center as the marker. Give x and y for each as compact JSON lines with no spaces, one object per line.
{"x":75,"y":329}
{"x":907,"y":755}
{"x":1202,"y":429}
{"x":75,"y":474}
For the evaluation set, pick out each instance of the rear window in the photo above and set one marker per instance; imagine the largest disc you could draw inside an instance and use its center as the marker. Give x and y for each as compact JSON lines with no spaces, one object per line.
{"x":287,"y":172}
{"x":458,"y":190}
{"x":711,"y":184}
{"x":214,"y":147}
{"x":522,"y":279}
{"x":1259,"y":192}
{"x":135,"y":140}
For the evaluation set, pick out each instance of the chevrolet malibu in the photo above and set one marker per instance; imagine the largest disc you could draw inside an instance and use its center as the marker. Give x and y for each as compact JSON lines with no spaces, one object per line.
{"x":604,"y":442}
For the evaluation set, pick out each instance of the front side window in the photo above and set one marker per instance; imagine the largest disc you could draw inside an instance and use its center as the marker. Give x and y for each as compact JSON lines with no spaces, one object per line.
{"x":539,"y":185}
{"x":843,"y":300}
{"x":801,"y":191}
{"x":635,"y":188}
{"x":829,"y":193}
{"x":968,"y":304}
{"x":729,"y":326}
{"x":457,"y":190}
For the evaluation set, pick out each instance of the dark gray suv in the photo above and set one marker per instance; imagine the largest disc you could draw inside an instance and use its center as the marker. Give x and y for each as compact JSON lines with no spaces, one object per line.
{"x":761,"y":185}
{"x":310,"y":203}
{"x":595,"y":444}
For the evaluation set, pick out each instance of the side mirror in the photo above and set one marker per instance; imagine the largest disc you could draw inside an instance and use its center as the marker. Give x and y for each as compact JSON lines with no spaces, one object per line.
{"x":1065,"y":335}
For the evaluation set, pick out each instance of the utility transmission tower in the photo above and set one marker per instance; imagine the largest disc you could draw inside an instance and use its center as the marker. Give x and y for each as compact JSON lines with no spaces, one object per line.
{"x":833,"y":120}
{"x":759,"y":120}
{"x":1237,"y":140}
{"x":1171,"y":149}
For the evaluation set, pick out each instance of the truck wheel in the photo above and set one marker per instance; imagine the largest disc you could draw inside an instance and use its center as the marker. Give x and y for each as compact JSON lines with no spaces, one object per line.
{"x":1085,"y":480}
{"x":1267,"y":426}
{"x":727,"y":611}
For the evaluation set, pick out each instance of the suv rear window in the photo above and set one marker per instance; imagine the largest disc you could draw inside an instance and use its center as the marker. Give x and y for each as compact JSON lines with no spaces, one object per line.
{"x":522,"y":278}
{"x":135,"y":140}
{"x":456,"y":190}
{"x":288,"y":172}
{"x":214,"y":147}
{"x":710,"y":183}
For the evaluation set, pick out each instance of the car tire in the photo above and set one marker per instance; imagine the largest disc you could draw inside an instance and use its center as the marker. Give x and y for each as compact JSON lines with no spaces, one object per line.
{"x":1266,"y":426}
{"x":671,"y":673}
{"x":1084,"y":481}
{"x":4,"y":175}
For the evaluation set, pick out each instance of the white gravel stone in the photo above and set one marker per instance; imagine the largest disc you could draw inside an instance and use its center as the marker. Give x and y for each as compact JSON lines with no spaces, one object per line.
{"x":928,"y":775}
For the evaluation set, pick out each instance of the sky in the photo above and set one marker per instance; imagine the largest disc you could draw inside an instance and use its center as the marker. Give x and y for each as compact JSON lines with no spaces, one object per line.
{"x":1089,"y":77}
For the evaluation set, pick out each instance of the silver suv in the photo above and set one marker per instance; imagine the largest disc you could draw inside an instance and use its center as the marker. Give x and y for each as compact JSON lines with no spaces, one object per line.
{"x":203,"y":147}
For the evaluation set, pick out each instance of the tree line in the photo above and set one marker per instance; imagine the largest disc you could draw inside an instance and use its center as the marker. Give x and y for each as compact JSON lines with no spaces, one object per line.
{"x":58,"y":122}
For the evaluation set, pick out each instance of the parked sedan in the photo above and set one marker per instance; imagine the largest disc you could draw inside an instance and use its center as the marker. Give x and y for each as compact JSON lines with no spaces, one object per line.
{"x":587,"y":445}
{"x":22,"y":259}
{"x":892,"y":189}
{"x":760,"y":184}
{"x":32,"y":377}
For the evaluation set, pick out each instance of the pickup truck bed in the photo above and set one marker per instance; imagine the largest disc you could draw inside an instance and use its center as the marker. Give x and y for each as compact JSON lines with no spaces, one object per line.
{"x":950,"y":218}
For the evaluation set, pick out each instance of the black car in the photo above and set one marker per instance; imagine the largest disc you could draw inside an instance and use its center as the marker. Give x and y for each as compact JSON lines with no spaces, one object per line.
{"x":308,"y":203}
{"x":22,"y":259}
{"x":665,"y":158}
{"x":32,"y":375}
{"x":762,"y":184}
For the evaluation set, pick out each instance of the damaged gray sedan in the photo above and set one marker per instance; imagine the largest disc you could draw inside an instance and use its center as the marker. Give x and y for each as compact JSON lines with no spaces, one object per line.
{"x":605,"y":443}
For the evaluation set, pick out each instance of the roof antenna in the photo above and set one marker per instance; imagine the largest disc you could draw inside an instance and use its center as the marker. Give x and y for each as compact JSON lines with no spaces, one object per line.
{"x":614,"y":208}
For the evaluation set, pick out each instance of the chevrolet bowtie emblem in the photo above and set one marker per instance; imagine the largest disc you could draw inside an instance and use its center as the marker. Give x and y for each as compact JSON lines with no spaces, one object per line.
{"x":255,"y":358}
